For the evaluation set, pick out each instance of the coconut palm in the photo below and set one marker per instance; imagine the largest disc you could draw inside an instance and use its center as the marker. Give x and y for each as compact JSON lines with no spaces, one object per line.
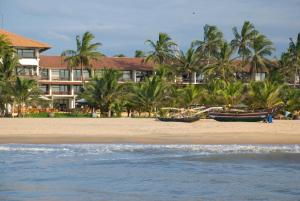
{"x":294,"y":53}
{"x":264,"y":95}
{"x":213,"y":39}
{"x":232,"y":93}
{"x":24,"y":92}
{"x":162,"y":50}
{"x":243,"y":41}
{"x":291,"y":98}
{"x":188,"y":62}
{"x":102,"y":91}
{"x":262,"y":48}
{"x":149,"y":94}
{"x":85,"y":52}
{"x":190,"y":95}
{"x":223,"y":67}
{"x":7,"y":75}
{"x":4,"y":45}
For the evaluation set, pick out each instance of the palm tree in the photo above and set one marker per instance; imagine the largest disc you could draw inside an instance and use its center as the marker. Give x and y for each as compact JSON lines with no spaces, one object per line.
{"x":232,"y":93}
{"x":223,"y":67}
{"x":139,"y":54}
{"x":188,"y":62}
{"x":291,"y":98}
{"x":243,"y":41}
{"x":213,"y":39}
{"x":85,"y":52}
{"x":7,"y":76}
{"x":262,"y":48}
{"x":4,"y":45}
{"x":190,"y":95}
{"x":149,"y":94}
{"x":24,"y":91}
{"x":294,"y":53}
{"x":162,"y":50}
{"x":264,"y":95}
{"x":102,"y":91}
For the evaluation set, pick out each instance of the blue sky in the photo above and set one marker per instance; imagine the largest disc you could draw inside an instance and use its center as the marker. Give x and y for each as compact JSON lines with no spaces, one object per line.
{"x":122,"y":26}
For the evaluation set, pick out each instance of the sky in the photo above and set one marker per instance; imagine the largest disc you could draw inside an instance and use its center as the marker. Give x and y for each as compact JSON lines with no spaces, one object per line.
{"x":122,"y":26}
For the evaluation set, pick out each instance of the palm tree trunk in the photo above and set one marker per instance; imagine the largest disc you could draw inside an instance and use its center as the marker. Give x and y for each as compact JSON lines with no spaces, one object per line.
{"x":295,"y":79}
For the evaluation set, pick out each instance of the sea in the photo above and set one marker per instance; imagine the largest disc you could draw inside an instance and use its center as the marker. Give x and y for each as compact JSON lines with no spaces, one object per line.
{"x":136,"y":172}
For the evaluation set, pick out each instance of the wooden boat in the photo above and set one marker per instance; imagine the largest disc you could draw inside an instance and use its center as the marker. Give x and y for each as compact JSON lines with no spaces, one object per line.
{"x":239,"y":116}
{"x":187,"y":119}
{"x":185,"y":115}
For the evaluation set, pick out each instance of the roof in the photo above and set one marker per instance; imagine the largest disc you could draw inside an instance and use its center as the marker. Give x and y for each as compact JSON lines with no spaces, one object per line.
{"x":20,"y":41}
{"x":118,"y":63}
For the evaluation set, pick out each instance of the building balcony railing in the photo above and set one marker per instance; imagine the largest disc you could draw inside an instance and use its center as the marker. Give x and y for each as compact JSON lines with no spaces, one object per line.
{"x":61,"y":78}
{"x":61,"y":92}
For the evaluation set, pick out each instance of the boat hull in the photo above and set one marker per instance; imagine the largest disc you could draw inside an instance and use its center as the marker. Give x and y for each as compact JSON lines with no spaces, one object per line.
{"x":184,"y":119}
{"x":244,"y":117}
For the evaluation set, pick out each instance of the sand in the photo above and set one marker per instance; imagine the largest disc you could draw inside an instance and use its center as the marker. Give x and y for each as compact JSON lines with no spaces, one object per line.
{"x":145,"y":131}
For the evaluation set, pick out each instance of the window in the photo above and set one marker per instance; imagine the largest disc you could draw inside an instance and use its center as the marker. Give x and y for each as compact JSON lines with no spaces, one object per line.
{"x":126,"y":76}
{"x":60,"y":89}
{"x":26,"y":70}
{"x":26,"y":53}
{"x":77,"y":74}
{"x":64,"y":74}
{"x":141,"y":75}
{"x":44,"y":74}
{"x":260,"y":76}
{"x":44,"y":89}
{"x":200,"y":77}
{"x":77,"y":89}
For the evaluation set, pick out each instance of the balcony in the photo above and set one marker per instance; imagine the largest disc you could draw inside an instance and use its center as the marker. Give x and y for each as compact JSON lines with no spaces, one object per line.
{"x":61,"y":92}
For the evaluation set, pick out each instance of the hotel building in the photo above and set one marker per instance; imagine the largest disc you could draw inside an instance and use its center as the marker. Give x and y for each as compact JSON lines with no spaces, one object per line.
{"x":60,"y":84}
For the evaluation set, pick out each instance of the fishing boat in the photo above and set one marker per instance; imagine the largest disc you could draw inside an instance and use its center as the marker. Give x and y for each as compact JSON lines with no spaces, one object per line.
{"x":239,"y":116}
{"x":187,"y":119}
{"x":183,"y":115}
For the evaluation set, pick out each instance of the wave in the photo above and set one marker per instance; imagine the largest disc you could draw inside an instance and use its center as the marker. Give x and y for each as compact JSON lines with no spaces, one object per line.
{"x":149,"y":149}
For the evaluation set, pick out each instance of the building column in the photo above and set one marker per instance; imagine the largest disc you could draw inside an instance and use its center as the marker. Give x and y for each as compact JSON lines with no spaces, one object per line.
{"x":50,"y":74}
{"x":72,"y":74}
{"x":194,"y":78}
{"x":50,"y":90}
{"x":72,"y":103}
{"x":134,"y":75}
{"x":72,"y":90}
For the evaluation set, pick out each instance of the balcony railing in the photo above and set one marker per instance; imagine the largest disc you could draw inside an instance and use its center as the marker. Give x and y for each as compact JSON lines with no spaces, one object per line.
{"x":61,"y":92}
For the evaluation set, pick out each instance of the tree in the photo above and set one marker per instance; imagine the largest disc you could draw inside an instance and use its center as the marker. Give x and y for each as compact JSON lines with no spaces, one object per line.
{"x":232,"y":93}
{"x":7,"y":76}
{"x":291,"y":99}
{"x":24,"y":92}
{"x":85,"y":52}
{"x":4,"y":45}
{"x":139,"y":54}
{"x":262,"y":48}
{"x":120,"y":55}
{"x":162,"y":50}
{"x":243,"y":41}
{"x":103,"y":91}
{"x":294,"y":53}
{"x":149,"y":94}
{"x":188,"y":62}
{"x":223,"y":67}
{"x":264,"y":95}
{"x":190,"y":95}
{"x":213,"y":39}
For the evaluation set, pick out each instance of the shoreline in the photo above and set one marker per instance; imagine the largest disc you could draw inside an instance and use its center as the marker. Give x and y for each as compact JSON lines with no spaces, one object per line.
{"x":145,"y":131}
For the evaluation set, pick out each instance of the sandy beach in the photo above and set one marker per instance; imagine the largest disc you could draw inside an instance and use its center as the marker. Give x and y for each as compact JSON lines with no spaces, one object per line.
{"x":147,"y":131}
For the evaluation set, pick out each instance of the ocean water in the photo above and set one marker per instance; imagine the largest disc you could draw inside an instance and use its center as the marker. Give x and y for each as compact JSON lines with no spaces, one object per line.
{"x":133,"y":172}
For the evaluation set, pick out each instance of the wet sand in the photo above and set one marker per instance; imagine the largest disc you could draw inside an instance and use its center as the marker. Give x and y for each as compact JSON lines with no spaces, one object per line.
{"x":145,"y":131}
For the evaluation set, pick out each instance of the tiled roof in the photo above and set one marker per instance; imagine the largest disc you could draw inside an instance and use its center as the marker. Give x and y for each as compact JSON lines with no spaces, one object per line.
{"x":20,"y":41}
{"x":119,"y":63}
